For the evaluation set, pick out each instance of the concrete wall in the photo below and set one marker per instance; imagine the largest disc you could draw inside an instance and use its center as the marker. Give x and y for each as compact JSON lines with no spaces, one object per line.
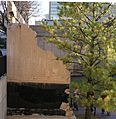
{"x":74,"y":68}
{"x":26,"y":62}
{"x":3,"y":97}
{"x":45,"y":45}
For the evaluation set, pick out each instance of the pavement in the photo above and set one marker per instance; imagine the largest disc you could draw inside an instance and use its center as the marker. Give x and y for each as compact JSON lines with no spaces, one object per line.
{"x":112,"y":116}
{"x":76,"y":113}
{"x":98,"y":113}
{"x":37,"y":117}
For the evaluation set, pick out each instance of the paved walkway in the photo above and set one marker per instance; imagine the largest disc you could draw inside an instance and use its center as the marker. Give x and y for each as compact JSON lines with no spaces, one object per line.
{"x":98,"y":112}
{"x":81,"y":111}
{"x":37,"y":117}
{"x":113,"y":116}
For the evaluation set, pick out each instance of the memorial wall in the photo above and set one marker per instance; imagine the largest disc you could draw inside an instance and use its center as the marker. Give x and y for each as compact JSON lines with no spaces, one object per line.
{"x":26,"y":62}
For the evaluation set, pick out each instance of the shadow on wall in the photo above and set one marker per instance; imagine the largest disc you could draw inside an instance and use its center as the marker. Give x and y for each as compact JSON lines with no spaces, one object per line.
{"x":2,"y":65}
{"x":30,"y":95}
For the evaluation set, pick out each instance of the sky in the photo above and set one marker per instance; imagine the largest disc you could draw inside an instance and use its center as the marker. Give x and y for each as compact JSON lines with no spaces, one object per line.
{"x":44,"y":9}
{"x":44,"y":6}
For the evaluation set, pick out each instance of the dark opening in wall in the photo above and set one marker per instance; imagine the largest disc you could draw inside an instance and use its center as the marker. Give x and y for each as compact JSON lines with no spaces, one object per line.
{"x":35,"y":96}
{"x":2,"y":65}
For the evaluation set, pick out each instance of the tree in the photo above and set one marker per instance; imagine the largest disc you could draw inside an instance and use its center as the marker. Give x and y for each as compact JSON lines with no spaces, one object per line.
{"x":86,"y":32}
{"x":3,"y":24}
{"x":3,"y":17}
{"x":27,"y":9}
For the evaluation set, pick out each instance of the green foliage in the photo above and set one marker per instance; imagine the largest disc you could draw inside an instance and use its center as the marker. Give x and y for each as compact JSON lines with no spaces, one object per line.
{"x":86,"y":32}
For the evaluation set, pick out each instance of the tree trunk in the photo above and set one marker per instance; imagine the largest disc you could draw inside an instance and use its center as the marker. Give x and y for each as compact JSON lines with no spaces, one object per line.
{"x":88,"y":113}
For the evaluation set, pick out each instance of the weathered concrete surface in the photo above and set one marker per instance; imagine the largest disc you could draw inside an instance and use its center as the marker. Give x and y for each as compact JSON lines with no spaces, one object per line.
{"x":48,"y":46}
{"x":3,"y":97}
{"x":29,"y":63}
{"x":39,"y":117}
{"x":41,"y":42}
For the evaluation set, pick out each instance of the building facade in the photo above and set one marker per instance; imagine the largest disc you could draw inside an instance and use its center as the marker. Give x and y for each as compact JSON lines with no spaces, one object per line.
{"x":53,"y":10}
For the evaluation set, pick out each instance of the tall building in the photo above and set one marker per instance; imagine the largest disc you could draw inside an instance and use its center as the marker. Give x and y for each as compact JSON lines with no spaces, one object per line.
{"x":53,"y":10}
